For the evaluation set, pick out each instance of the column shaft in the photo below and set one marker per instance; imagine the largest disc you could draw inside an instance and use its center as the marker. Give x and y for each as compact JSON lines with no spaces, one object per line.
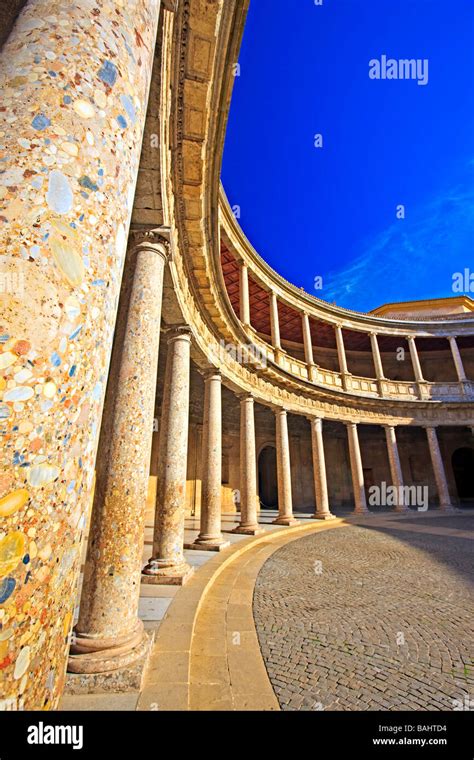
{"x":319,"y":470}
{"x":308,"y":346}
{"x":274,"y":320}
{"x":248,"y":470}
{"x":244,"y":294}
{"x":379,"y":374}
{"x":210,"y":535}
{"x":438,"y":468}
{"x":285,"y":498}
{"x":395,"y":466}
{"x":415,"y":360}
{"x":357,"y":471}
{"x":109,"y":634}
{"x":341,"y":353}
{"x":167,"y":564}
{"x":457,"y":358}
{"x":72,"y":122}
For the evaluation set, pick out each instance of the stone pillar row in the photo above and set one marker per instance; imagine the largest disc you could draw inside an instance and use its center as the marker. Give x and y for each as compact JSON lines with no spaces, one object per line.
{"x":341,"y":352}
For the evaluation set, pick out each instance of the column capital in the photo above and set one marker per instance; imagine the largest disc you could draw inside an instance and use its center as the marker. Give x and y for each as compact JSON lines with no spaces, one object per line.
{"x":157,"y":239}
{"x":410,"y":337}
{"x":314,"y":418}
{"x":245,"y":397}
{"x":177,"y":332}
{"x":208,"y":373}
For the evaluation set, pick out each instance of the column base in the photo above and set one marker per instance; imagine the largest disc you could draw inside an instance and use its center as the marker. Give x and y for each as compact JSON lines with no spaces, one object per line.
{"x":447,"y":508}
{"x":361,"y":511}
{"x":171,"y":575}
{"x":208,"y":545}
{"x":285,"y":521}
{"x":323,"y":516}
{"x":248,"y":530}
{"x":108,"y":669}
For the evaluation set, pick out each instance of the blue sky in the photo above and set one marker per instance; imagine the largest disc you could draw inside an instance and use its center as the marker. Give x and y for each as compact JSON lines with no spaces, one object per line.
{"x":332,"y":211}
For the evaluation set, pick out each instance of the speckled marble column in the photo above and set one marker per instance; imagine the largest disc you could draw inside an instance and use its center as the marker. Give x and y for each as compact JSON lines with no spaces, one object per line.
{"x":395,"y":465}
{"x":319,"y":470}
{"x":109,"y":634}
{"x":439,"y":471}
{"x":360,"y":501}
{"x":167,"y":563}
{"x":210,"y":535}
{"x":248,"y":470}
{"x":285,"y":498}
{"x":74,"y":79}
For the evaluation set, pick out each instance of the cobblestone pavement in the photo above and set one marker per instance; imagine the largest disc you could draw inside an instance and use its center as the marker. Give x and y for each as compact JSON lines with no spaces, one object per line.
{"x":370,"y":618}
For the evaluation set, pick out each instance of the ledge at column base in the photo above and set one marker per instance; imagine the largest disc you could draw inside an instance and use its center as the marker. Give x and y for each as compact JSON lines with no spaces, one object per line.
{"x":323,"y":516}
{"x":447,"y":508}
{"x":125,"y":673}
{"x":208,"y":546}
{"x":288,"y":521}
{"x":168,"y":577}
{"x":248,"y":530}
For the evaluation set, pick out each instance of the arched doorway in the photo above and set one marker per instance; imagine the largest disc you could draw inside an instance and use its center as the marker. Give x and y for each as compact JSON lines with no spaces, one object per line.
{"x":463,"y":468}
{"x":267,"y":478}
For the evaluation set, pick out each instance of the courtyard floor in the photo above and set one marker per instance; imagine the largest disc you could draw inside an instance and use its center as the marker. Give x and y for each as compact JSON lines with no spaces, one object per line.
{"x":359,"y":613}
{"x":375,"y":616}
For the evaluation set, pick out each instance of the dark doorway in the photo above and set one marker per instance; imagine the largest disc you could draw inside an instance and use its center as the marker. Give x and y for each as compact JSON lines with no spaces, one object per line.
{"x":463,"y":469}
{"x":267,"y":478}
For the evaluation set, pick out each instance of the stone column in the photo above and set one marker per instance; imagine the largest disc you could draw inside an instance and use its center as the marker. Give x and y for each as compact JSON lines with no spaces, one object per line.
{"x":244,"y":295}
{"x":109,"y":634}
{"x":275,"y":324}
{"x":356,"y":469}
{"x":341,"y":353}
{"x":248,"y":470}
{"x":439,"y":471}
{"x":319,"y":470}
{"x":74,"y":81}
{"x":308,"y":347}
{"x":210,"y":535}
{"x":415,"y":359}
{"x":457,"y":358}
{"x":379,"y":374}
{"x":167,"y":563}
{"x":395,"y":466}
{"x":285,"y":498}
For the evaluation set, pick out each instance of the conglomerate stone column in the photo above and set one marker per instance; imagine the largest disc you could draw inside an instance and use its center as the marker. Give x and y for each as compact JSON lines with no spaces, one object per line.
{"x":438,"y":468}
{"x":167,"y":564}
{"x":210,"y":535}
{"x":395,"y":466}
{"x":248,"y":470}
{"x":109,"y":634}
{"x":357,"y":471}
{"x":74,"y":78}
{"x":285,"y":498}
{"x":319,"y":470}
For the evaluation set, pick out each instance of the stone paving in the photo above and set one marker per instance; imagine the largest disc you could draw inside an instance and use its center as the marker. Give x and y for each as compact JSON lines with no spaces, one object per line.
{"x":371,"y":617}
